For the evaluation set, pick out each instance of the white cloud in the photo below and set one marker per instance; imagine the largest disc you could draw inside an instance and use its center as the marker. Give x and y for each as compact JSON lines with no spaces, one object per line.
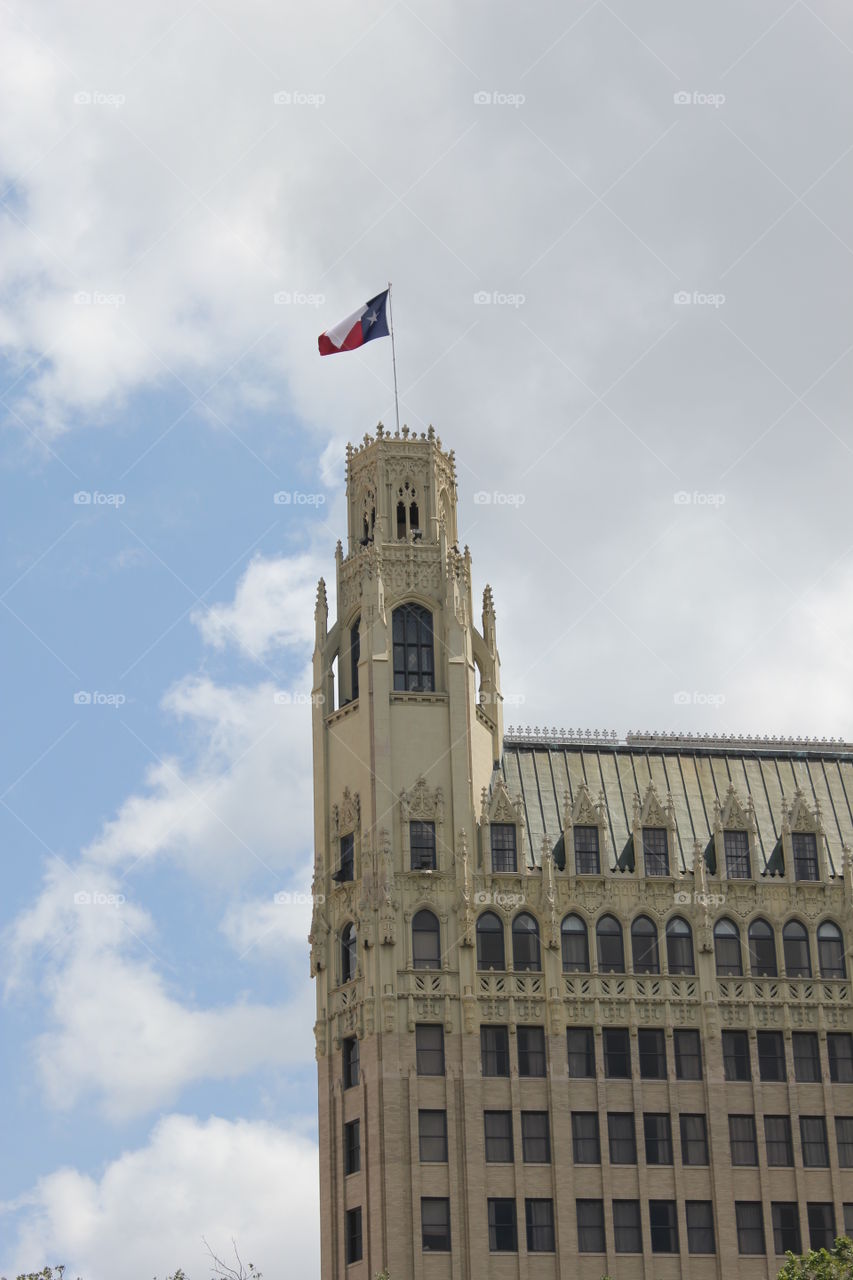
{"x":273,"y":607}
{"x":146,"y":1214}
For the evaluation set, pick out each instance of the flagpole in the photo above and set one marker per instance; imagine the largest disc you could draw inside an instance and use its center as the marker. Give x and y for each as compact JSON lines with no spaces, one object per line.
{"x":393,"y":358}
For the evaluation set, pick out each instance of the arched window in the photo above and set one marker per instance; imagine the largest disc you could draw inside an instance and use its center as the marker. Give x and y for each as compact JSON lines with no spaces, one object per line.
{"x":762,"y":950}
{"x":679,"y":946}
{"x":830,"y":951}
{"x":401,"y":519}
{"x":727,"y":949}
{"x":413,"y":655}
{"x":414,"y":516}
{"x":525,"y":942}
{"x":490,"y":942}
{"x":644,"y":945}
{"x":354,"y":654}
{"x":426,"y":941}
{"x":575,"y":945}
{"x":611,"y":949}
{"x":795,"y":948}
{"x":348,"y":952}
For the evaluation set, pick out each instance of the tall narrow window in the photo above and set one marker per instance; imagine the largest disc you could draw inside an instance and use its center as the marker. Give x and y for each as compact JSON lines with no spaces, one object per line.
{"x":401,"y":519}
{"x":497,"y":1129}
{"x":503,"y":1235}
{"x":727,"y":949}
{"x":422,"y":845}
{"x":762,"y":950}
{"x":771,"y":1055}
{"x":821,"y":1218}
{"x":644,"y":945}
{"x":830,"y":951}
{"x":539,"y":1215}
{"x":525,"y":943}
{"x":749,"y":1220}
{"x":656,"y":851}
{"x":814,"y":1142}
{"x":581,"y":1050}
{"x":737,"y":855}
{"x":575,"y":945}
{"x":531,"y":1051}
{"x":795,"y":947}
{"x":490,"y":942}
{"x":627,"y":1233}
{"x":346,"y":870}
{"x":844,"y":1141}
{"x":432,"y":1136}
{"x":679,"y":946}
{"x":617,"y":1053}
{"x":426,"y":941}
{"x":839,"y":1049}
{"x":413,"y":649}
{"x":352,"y":1147}
{"x":806,"y":1057}
{"x":700,"y":1226}
{"x":348,"y":952}
{"x":504,"y":852}
{"x":349,"y":1061}
{"x":663,"y":1224}
{"x":587,"y":856}
{"x":744,"y":1147}
{"x":494,"y":1051}
{"x":777,"y":1139}
{"x":354,"y":654}
{"x":435,"y":1224}
{"x":590,"y":1226}
{"x":535,"y":1137}
{"x":429,"y":1049}
{"x":651,"y":1047}
{"x":736,"y":1061}
{"x":586,"y":1148}
{"x":414,"y":516}
{"x":694,"y":1139}
{"x":805,"y":855}
{"x":688,"y":1054}
{"x":657,"y":1132}
{"x":786,"y":1226}
{"x":622,"y":1137}
{"x":611,"y":950}
{"x":352,"y":1236}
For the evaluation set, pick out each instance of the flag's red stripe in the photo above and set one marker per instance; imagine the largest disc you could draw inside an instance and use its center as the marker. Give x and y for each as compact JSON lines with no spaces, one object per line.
{"x":353,"y":339}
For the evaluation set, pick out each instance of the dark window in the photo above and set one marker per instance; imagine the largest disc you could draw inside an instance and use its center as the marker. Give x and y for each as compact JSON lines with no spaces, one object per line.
{"x":806,"y":1057}
{"x":422,"y":845}
{"x":651,"y":1047}
{"x":830,"y":951}
{"x":352,"y":1147}
{"x":581,"y":1049}
{"x":848,"y":1220}
{"x":622,"y":1137}
{"x":727,"y":949}
{"x":795,"y":947}
{"x":786,"y":1226}
{"x":656,"y":851}
{"x":700,"y":1226}
{"x":525,"y":943}
{"x":587,"y":858}
{"x":348,"y":952}
{"x":679,"y":947}
{"x":490,"y":942}
{"x":539,"y":1215}
{"x":750,"y":1226}
{"x":531,"y":1051}
{"x":815,"y":1145}
{"x":844,"y":1139}
{"x":503,"y":1236}
{"x":586,"y":1147}
{"x":504,"y":853}
{"x":354,"y":653}
{"x":771,"y":1055}
{"x":694,"y":1139}
{"x":688,"y":1054}
{"x":627,"y":1232}
{"x":575,"y":944}
{"x":352,"y":1235}
{"x":429,"y":1048}
{"x":821,"y":1225}
{"x":742,"y":1139}
{"x":590,"y":1226}
{"x":414,"y":516}
{"x":777,"y":1138}
{"x":644,"y":946}
{"x":413,"y":656}
{"x":401,"y":519}
{"x":497,"y":1126}
{"x":839,"y":1049}
{"x":426,"y":941}
{"x":617,"y":1053}
{"x":494,"y":1051}
{"x":349,"y":1055}
{"x":535,"y":1137}
{"x":805,"y":855}
{"x":435,"y":1224}
{"x":736,"y":1055}
{"x":762,"y":950}
{"x":611,"y":951}
{"x":346,"y":870}
{"x":432,"y":1136}
{"x":664,"y":1226}
{"x":737,"y":855}
{"x":657,"y":1132}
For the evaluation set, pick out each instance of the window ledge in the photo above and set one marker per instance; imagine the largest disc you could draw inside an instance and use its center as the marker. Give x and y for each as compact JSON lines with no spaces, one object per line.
{"x":402,"y":695}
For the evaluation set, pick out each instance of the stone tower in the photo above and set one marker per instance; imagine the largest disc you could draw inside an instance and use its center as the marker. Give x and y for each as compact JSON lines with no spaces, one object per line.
{"x":407,"y":728}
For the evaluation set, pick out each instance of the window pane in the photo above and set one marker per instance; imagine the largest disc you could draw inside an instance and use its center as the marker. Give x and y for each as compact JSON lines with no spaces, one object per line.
{"x":504,"y":855}
{"x":795,"y":945}
{"x":352,"y":1235}
{"x":786,"y":1226}
{"x":771,"y":1055}
{"x":611,"y":952}
{"x":821,"y":1225}
{"x":658,"y":1137}
{"x":490,"y":942}
{"x":429,"y":1049}
{"x":664,"y":1226}
{"x":815,"y":1146}
{"x":839,"y":1047}
{"x":805,"y":855}
{"x":737,"y":855}
{"x":352,"y":1147}
{"x":585,"y":1144}
{"x":587,"y":858}
{"x":525,"y":943}
{"x":426,"y":941}
{"x":502,"y":1229}
{"x":750,"y":1226}
{"x":844,"y":1139}
{"x":830,"y":950}
{"x":531,"y":1051}
{"x":347,"y":867}
{"x":736,"y":1055}
{"x":435,"y":1224}
{"x":694,"y":1139}
{"x":644,"y":946}
{"x":432,"y":1135}
{"x":581,"y":1048}
{"x":539,"y":1216}
{"x":700,"y":1226}
{"x":679,"y":947}
{"x":688,"y":1055}
{"x":806,"y":1057}
{"x":422,"y":844}
{"x":498,"y":1134}
{"x":349,"y":1054}
{"x":777,"y":1135}
{"x":762,"y":950}
{"x":494,"y":1051}
{"x":413,"y":649}
{"x":652,"y":1053}
{"x":626,"y":1226}
{"x":727,"y":949}
{"x":622,"y":1137}
{"x":656,"y":851}
{"x":575,"y":946}
{"x":742,"y":1138}
{"x":617,"y":1053}
{"x":590,"y":1226}
{"x":535,"y":1137}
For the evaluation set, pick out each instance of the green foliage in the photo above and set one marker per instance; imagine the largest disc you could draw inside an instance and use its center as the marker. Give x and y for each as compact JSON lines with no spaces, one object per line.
{"x":821,"y":1264}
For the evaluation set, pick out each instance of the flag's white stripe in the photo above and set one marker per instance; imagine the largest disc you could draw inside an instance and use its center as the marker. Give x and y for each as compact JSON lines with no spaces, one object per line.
{"x":338,"y":332}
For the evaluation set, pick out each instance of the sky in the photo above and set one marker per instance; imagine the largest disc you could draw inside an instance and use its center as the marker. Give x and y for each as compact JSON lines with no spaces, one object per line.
{"x":621,"y":254}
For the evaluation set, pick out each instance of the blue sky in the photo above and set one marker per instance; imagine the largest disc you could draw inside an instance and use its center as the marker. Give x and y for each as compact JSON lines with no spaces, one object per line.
{"x":622,"y":283}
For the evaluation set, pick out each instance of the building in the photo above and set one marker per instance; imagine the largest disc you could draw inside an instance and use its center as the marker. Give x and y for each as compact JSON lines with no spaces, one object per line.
{"x":582,"y":1004}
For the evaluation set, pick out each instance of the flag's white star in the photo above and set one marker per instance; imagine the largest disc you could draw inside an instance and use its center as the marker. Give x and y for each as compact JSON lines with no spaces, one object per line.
{"x":372,"y":317}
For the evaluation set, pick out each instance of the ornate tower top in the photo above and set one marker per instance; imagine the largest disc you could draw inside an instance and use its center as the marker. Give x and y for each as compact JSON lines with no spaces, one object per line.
{"x":400,"y":488}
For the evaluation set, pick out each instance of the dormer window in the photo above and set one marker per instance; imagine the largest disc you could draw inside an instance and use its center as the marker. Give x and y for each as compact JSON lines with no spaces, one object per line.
{"x":656,"y":851}
{"x":737,"y":855}
{"x":805,"y":855}
{"x":587,"y":858}
{"x":413,"y":649}
{"x":504,"y":849}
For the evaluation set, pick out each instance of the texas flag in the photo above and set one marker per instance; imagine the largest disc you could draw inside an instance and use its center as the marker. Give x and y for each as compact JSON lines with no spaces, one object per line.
{"x":369,"y":322}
